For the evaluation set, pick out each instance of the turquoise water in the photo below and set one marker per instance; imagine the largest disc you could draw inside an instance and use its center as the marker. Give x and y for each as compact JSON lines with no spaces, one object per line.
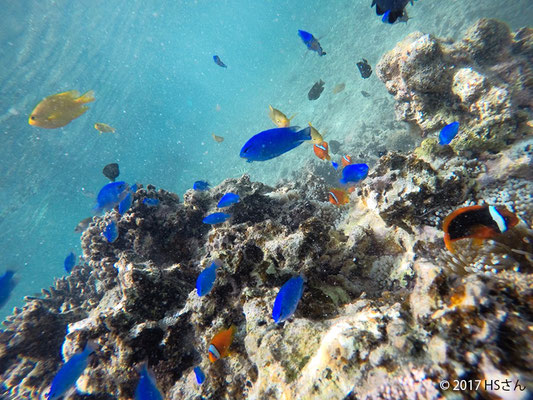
{"x":150,"y":65}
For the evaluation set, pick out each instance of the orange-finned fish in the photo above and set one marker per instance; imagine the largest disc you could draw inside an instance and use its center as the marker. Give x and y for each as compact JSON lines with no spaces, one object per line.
{"x":321,"y":151}
{"x":59,"y":109}
{"x":316,"y":137}
{"x":279,"y":118}
{"x":338,"y":197}
{"x":478,"y":223}
{"x":220,"y":344}
{"x":346,"y":160}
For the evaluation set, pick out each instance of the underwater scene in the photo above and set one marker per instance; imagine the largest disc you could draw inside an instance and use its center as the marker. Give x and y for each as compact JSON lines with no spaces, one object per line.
{"x":229,"y":199}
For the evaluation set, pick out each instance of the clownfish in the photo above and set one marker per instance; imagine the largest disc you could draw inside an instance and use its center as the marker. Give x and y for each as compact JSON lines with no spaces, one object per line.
{"x":346,"y":160}
{"x":220,"y":344}
{"x":338,"y":197}
{"x":478,"y":223}
{"x":321,"y":151}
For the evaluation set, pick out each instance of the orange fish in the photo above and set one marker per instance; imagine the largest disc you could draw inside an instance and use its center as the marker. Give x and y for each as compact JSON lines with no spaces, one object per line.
{"x":220,"y":344}
{"x":338,"y":197}
{"x":59,"y":109}
{"x":321,"y":151}
{"x":478,"y":223}
{"x":346,"y":160}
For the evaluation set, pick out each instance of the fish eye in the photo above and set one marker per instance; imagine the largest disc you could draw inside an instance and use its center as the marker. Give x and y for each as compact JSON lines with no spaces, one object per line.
{"x":32,"y":117}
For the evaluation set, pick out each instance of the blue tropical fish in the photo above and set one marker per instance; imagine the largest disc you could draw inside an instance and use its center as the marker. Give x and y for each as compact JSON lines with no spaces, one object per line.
{"x":311,"y":42}
{"x":7,"y":284}
{"x":111,"y":195}
{"x":335,"y":165}
{"x":216,"y":218}
{"x":218,"y":61}
{"x":274,"y":142}
{"x":125,"y":204}
{"x":200,"y":376}
{"x":111,"y":232}
{"x":287,"y":299}
{"x":447,"y":133}
{"x":206,"y":278}
{"x":200,"y":185}
{"x":69,"y":262}
{"x":146,"y":388}
{"x":133,"y":188}
{"x":354,"y":173}
{"x":69,"y":373}
{"x":228,"y":199}
{"x":150,"y":202}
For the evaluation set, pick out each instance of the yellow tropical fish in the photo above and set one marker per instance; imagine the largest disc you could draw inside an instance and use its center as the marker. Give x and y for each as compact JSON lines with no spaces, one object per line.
{"x":59,"y":109}
{"x":103,"y":128}
{"x":279,"y":118}
{"x":218,"y":139}
{"x":339,"y":88}
{"x":316,"y":137}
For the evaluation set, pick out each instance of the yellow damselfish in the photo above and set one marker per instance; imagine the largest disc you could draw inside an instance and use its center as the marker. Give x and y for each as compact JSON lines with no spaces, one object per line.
{"x":59,"y":109}
{"x":279,"y":118}
{"x":104,"y":128}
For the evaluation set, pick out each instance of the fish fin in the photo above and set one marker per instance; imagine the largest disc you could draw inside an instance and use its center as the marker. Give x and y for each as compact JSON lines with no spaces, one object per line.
{"x":71,"y":93}
{"x":328,"y":157}
{"x":294,"y":115}
{"x":86,"y":97}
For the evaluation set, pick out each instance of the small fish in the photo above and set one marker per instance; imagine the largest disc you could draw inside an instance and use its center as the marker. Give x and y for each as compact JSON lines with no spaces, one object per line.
{"x":321,"y":151}
{"x":147,"y":388}
{"x":216,"y":218}
{"x":334,"y":146}
{"x":311,"y":42}
{"x":125,"y":204}
{"x":364,"y":68}
{"x":69,"y":373}
{"x":200,"y":185}
{"x":218,"y":139}
{"x":206,"y":278}
{"x":447,"y":133}
{"x":365,"y":94}
{"x":354,"y":173}
{"x":335,"y":165}
{"x":150,"y":202}
{"x":338,"y":88}
{"x":7,"y":284}
{"x":346,"y":160}
{"x":83,"y":224}
{"x":69,"y":262}
{"x":279,"y":118}
{"x":59,"y":109}
{"x":103,"y":128}
{"x":200,"y":376}
{"x":111,"y":195}
{"x":228,"y":199}
{"x":338,"y":197}
{"x":133,"y":188}
{"x":220,"y":344}
{"x":478,"y":223}
{"x":287,"y":299}
{"x":316,"y":137}
{"x":111,"y":171}
{"x":273,"y":143}
{"x":218,"y":61}
{"x":392,"y":9}
{"x":316,"y":90}
{"x":111,"y":232}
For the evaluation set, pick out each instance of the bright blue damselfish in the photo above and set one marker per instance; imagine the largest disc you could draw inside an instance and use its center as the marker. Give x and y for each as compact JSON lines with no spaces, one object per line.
{"x":150,"y":201}
{"x":206,"y":279}
{"x":69,"y":262}
{"x":447,"y":133}
{"x":200,"y":376}
{"x":200,"y":185}
{"x":146,"y":388}
{"x":274,"y":142}
{"x":69,"y":373}
{"x":311,"y":42}
{"x":111,"y":195}
{"x":111,"y":232}
{"x":287,"y":299}
{"x":228,"y":199}
{"x":7,"y":284}
{"x":216,"y":218}
{"x":354,"y":173}
{"x":125,"y":204}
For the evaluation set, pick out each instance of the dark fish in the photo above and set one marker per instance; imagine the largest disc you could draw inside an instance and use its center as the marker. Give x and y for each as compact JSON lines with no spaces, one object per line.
{"x":334,"y":146}
{"x":111,"y":171}
{"x":218,"y":61}
{"x":83,"y":224}
{"x":311,"y":42}
{"x":394,"y":9}
{"x":365,"y":94}
{"x":316,"y":90}
{"x":364,"y":68}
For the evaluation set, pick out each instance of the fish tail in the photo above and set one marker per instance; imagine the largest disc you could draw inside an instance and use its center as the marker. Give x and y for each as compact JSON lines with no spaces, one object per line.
{"x":293,"y":117}
{"x":304,"y":134}
{"x":328,"y":157}
{"x":86,"y":97}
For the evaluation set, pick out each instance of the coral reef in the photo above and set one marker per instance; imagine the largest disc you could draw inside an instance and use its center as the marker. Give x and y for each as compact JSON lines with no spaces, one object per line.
{"x":386,"y":312}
